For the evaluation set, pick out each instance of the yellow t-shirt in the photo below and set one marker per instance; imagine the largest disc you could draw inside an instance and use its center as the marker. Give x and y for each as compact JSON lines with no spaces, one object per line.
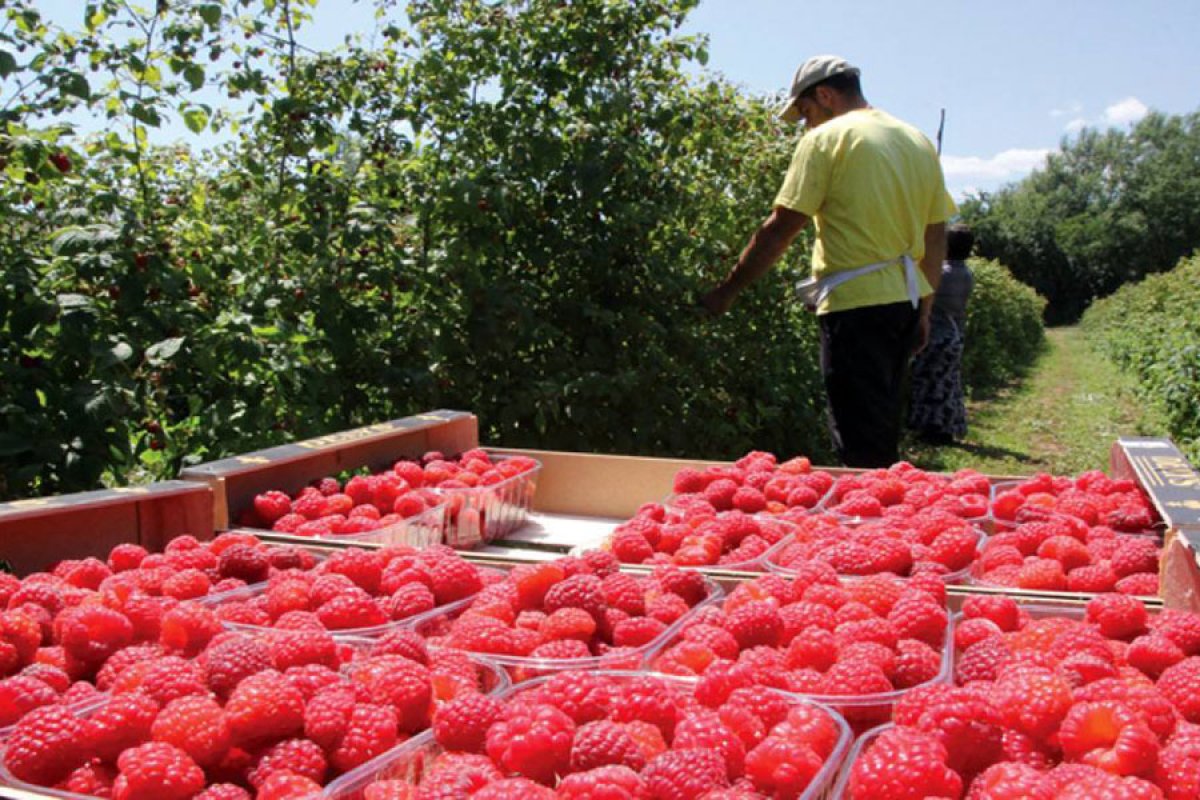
{"x":871,"y":184}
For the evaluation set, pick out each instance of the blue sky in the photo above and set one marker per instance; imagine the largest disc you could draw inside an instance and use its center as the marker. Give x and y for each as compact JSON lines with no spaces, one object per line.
{"x":1015,"y":76}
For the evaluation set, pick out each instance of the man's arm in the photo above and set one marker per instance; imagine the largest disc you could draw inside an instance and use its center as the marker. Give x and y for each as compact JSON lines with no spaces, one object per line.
{"x":931,"y":265}
{"x":765,"y":247}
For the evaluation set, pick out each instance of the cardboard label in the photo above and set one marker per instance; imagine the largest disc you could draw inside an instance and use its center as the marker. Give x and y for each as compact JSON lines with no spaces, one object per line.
{"x":1171,"y":481}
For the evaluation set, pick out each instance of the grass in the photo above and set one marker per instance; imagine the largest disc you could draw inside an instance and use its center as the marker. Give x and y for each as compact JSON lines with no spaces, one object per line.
{"x":1062,"y":417}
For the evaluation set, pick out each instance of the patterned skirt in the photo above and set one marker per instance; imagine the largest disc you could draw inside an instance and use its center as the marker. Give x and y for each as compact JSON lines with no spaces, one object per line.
{"x":937,"y":405}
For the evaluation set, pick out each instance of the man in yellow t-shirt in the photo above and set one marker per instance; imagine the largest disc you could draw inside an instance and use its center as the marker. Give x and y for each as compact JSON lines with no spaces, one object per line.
{"x":873,"y":187}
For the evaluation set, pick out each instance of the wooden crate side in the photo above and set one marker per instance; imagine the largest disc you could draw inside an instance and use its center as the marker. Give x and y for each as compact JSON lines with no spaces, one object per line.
{"x":37,"y":533}
{"x":235,"y":481}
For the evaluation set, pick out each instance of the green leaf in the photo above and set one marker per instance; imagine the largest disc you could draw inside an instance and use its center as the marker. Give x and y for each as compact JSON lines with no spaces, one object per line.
{"x":196,"y":118}
{"x":70,"y":302}
{"x":74,"y":84}
{"x":77,"y":239}
{"x":8,"y":64}
{"x":163,"y":351}
{"x":210,"y":13}
{"x":194,"y":75}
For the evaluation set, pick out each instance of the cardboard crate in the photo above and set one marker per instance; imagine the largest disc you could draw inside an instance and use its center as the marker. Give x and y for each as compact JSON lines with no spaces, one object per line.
{"x":36,"y":533}
{"x":235,"y":481}
{"x":1173,"y":485}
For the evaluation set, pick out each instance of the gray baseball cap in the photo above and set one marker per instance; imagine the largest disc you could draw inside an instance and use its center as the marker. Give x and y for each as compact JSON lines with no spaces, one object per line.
{"x":809,"y":74}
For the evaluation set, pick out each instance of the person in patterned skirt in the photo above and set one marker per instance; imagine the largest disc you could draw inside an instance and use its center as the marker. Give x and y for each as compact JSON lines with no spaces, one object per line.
{"x":938,"y":411}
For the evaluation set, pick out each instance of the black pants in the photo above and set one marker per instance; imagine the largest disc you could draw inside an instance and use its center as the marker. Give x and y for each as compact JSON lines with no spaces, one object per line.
{"x":864,"y":354}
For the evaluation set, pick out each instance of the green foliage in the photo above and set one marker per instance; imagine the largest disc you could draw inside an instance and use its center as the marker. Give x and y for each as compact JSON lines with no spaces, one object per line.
{"x":1151,"y":330}
{"x":508,"y":207}
{"x":1108,"y":208}
{"x":1004,"y":328}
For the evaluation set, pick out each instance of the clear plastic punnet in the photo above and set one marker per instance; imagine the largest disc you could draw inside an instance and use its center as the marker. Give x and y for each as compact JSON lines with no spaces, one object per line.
{"x":259,"y":589}
{"x":842,"y":787}
{"x":861,"y":711}
{"x":492,"y":680}
{"x":481,"y":514}
{"x":438,"y":622}
{"x":773,"y":560}
{"x":418,"y":531}
{"x":409,"y":761}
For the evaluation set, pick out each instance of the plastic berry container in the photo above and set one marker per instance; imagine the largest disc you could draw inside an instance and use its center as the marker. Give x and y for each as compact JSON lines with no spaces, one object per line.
{"x":437,"y":623}
{"x":481,"y":514}
{"x":775,"y":559}
{"x":842,"y":787}
{"x":420,"y":531}
{"x":491,"y":678}
{"x":409,"y":761}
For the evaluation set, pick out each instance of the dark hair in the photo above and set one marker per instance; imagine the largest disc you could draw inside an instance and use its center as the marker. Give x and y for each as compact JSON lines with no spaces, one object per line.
{"x":846,"y":83}
{"x":959,"y":241}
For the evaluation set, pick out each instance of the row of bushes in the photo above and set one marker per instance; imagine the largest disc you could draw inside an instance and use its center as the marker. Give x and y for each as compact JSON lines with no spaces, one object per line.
{"x":1151,"y":329}
{"x":1004,"y":328}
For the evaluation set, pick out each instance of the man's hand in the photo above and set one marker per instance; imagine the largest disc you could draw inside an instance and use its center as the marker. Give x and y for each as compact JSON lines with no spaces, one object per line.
{"x":924,"y":326}
{"x":717,"y":301}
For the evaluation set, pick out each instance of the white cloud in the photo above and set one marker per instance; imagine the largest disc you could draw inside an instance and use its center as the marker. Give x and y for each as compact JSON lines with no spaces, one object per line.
{"x":1075,"y":125}
{"x":1074,"y":109}
{"x":1125,"y":111}
{"x":1005,"y":165}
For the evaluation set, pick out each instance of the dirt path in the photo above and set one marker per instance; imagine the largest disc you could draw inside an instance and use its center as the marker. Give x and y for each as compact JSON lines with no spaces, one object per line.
{"x":1062,"y":418}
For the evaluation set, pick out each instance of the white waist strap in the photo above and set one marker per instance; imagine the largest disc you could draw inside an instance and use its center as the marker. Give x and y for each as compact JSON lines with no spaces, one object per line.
{"x":813,"y":291}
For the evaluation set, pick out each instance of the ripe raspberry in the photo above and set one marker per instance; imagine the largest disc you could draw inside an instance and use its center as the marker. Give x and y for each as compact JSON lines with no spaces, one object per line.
{"x":1181,"y":627}
{"x":1135,"y":554}
{"x":188,"y":627}
{"x":687,"y":584}
{"x":395,"y":681}
{"x":1034,"y":701}
{"x":602,"y":743}
{"x":228,"y":661}
{"x":644,"y":699}
{"x":244,"y":562}
{"x":630,"y":547}
{"x":514,"y":789}
{"x":602,"y":783}
{"x":91,"y":633}
{"x":21,"y":694}
{"x":1141,"y":584}
{"x":125,"y":557}
{"x":1110,"y":736}
{"x":1153,"y":653}
{"x":123,"y":722}
{"x":264,"y":708}
{"x":1178,"y":770}
{"x":166,"y":679}
{"x":919,"y":618}
{"x":157,"y":771}
{"x":637,"y":631}
{"x":1092,"y":579}
{"x":223,"y":791}
{"x":1117,"y":616}
{"x":462,"y":723}
{"x":454,"y":579}
{"x":708,"y":732}
{"x":718,"y":640}
{"x":93,"y":779}
{"x":299,"y":756}
{"x":532,"y":740}
{"x":354,"y":609}
{"x":402,"y":642}
{"x":297,"y":648}
{"x":748,"y":500}
{"x":903,"y":763}
{"x":685,"y":774}
{"x":916,"y":663}
{"x":270,"y":506}
{"x":755,"y":623}
{"x":583,"y":696}
{"x":286,"y":785}
{"x":197,"y":726}
{"x":1178,"y":684}
{"x":782,"y":766}
{"x":1042,"y":573}
{"x":1012,"y":781}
